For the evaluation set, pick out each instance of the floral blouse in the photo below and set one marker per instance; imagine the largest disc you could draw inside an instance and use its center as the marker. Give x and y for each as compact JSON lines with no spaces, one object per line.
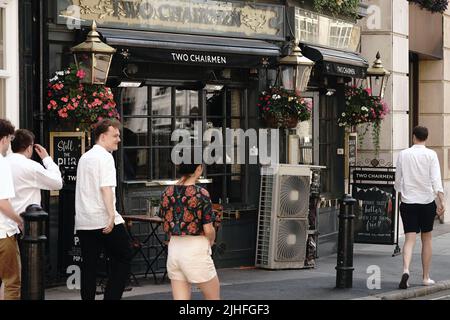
{"x":185,"y":209}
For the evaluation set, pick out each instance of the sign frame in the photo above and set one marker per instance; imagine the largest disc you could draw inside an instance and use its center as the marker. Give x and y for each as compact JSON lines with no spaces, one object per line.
{"x":72,"y":134}
{"x":368,"y":178}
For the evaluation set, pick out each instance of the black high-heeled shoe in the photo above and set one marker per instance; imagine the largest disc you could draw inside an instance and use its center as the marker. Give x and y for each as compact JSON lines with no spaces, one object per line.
{"x":404,"y":281}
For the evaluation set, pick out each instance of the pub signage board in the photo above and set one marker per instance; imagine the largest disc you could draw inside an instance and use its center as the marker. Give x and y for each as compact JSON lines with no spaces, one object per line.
{"x":344,"y":70}
{"x":375,"y":213}
{"x":188,"y":57}
{"x":66,"y":149}
{"x":225,"y":18}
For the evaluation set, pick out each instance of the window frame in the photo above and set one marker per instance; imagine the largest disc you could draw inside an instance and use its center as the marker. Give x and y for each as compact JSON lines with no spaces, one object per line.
{"x":226,"y":173}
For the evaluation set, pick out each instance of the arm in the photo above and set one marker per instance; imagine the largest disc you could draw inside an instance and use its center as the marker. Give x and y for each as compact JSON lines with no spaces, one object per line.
{"x":210,"y":232}
{"x":8,"y":211}
{"x":108,"y":200}
{"x":436,"y":183}
{"x":398,"y":176}
{"x":49,"y":178}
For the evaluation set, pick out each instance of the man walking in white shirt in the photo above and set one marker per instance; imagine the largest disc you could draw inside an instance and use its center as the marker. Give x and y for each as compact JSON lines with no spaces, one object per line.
{"x":10,"y":221}
{"x":97,"y":222}
{"x":418,"y":180}
{"x":29,"y":176}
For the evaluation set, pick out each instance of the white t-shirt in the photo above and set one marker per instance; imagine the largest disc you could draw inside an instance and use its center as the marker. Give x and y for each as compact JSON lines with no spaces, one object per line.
{"x":30,"y":177}
{"x":7,"y":226}
{"x":96,"y":169}
{"x":417,"y":175}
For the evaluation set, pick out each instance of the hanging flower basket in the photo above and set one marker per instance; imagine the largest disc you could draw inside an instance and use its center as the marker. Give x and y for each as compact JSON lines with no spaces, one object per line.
{"x":363,"y":109}
{"x":75,"y":105}
{"x":281,"y":108}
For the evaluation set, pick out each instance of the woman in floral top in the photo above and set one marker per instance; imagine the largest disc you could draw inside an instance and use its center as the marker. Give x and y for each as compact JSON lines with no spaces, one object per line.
{"x":188,"y":220}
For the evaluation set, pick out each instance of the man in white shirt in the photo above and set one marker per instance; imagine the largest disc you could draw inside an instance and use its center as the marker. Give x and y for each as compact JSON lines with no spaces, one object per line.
{"x":10,"y":221}
{"x":97,"y":222}
{"x":29,"y":176}
{"x":418,"y":181}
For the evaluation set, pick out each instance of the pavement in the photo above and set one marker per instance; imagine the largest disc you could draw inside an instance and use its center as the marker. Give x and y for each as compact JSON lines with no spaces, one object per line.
{"x":376,"y":276}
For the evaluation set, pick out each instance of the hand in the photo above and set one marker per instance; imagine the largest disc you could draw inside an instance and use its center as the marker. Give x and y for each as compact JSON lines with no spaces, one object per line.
{"x":20,"y":225}
{"x":40,"y":150}
{"x":440,"y":209}
{"x":110,"y":226}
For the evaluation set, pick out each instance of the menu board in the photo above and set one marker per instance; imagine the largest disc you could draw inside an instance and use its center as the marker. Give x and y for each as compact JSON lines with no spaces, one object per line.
{"x":66,"y":149}
{"x":375,"y":216}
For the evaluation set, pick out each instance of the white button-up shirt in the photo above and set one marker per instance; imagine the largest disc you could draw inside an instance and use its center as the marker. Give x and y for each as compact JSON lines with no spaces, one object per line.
{"x":8,"y":227}
{"x":418,"y":176}
{"x":30,"y":177}
{"x":96,"y":169}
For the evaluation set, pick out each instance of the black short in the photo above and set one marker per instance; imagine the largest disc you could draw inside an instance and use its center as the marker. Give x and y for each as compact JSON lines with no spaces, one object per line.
{"x":418,"y":217}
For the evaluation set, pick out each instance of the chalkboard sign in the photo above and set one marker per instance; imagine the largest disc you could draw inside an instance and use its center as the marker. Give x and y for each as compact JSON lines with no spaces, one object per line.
{"x":66,"y":149}
{"x":375,"y":216}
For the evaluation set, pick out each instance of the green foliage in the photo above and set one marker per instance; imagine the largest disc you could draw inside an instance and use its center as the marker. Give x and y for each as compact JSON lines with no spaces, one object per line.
{"x":281,"y":104}
{"x":341,"y":8}
{"x":82,"y":104}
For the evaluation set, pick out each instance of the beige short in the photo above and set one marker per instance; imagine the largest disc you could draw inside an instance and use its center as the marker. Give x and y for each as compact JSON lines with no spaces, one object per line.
{"x":189,"y":259}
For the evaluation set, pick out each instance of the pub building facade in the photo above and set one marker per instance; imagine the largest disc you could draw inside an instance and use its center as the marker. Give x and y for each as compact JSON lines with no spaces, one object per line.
{"x":179,"y":64}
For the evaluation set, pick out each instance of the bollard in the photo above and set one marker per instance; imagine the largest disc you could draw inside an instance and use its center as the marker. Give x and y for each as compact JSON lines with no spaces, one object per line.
{"x":33,"y":253}
{"x":344,"y":268}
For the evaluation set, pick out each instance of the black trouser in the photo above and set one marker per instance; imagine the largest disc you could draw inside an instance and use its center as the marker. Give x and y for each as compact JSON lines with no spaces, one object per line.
{"x":117,"y":248}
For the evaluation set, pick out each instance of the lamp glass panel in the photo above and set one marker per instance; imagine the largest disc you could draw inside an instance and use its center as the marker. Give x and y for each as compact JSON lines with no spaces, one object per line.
{"x":287,"y":77}
{"x":101,"y":67}
{"x":303,"y":74}
{"x":84,"y":62}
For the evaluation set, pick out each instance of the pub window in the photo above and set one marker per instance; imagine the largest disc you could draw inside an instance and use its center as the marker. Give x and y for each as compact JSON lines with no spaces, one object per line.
{"x":340,"y":34}
{"x":150,"y":114}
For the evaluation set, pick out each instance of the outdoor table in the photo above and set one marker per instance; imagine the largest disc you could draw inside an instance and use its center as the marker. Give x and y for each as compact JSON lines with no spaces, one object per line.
{"x":154,"y":222}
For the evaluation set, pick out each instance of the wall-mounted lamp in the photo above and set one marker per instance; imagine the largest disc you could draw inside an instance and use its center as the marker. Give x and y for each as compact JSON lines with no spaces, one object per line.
{"x":377,"y":78}
{"x":295,"y":70}
{"x":93,"y":57}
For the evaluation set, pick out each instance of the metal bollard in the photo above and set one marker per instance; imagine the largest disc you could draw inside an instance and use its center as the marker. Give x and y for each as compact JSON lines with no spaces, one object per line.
{"x":33,"y":253}
{"x":344,"y":268}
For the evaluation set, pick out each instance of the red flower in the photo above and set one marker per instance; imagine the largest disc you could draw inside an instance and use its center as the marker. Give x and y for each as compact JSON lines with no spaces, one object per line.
{"x":81,"y":74}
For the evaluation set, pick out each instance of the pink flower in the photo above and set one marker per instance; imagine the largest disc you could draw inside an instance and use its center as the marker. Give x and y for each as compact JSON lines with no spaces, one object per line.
{"x":81,"y":74}
{"x":53,"y":102}
{"x":99,"y":118}
{"x":64,"y":99}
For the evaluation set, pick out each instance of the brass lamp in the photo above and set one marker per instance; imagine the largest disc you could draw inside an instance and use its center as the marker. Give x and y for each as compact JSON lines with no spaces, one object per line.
{"x":93,"y":57}
{"x":377,"y":78}
{"x":295,"y":70}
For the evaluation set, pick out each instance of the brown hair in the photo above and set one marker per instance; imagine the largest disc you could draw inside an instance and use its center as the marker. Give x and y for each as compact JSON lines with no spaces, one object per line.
{"x":103,"y":125}
{"x":6,"y":128}
{"x":421,"y":133}
{"x":23,"y":139}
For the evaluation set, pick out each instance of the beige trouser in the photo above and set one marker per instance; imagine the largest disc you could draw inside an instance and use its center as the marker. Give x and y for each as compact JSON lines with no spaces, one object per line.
{"x":10,"y":267}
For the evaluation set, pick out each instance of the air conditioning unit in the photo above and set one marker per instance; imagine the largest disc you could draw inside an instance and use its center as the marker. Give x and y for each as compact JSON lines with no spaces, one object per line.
{"x":283,"y":216}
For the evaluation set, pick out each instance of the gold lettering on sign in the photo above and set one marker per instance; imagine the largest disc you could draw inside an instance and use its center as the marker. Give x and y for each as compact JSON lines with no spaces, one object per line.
{"x":204,"y":16}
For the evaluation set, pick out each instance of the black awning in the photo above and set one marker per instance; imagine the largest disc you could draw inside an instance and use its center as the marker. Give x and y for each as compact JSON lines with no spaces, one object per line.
{"x":192,"y":49}
{"x":337,"y":62}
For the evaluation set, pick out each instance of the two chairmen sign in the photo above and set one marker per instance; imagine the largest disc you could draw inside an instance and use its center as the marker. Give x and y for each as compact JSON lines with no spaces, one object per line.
{"x":375,"y":209}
